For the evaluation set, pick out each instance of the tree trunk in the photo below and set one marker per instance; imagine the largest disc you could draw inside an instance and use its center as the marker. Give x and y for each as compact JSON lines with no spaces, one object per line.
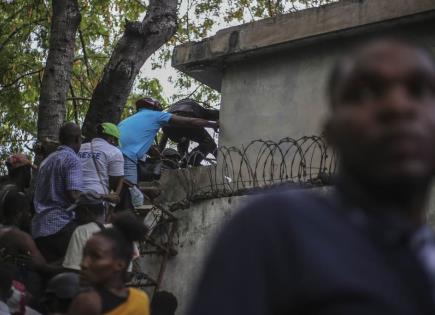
{"x":139,"y":41}
{"x":58,"y":69}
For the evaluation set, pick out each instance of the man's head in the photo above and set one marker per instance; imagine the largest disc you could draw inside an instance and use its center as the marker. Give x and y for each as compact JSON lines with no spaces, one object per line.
{"x":109,"y":132}
{"x":16,"y":210}
{"x":149,"y":103}
{"x":60,"y":292}
{"x":382,"y":124}
{"x":20,"y":169}
{"x":70,"y":135}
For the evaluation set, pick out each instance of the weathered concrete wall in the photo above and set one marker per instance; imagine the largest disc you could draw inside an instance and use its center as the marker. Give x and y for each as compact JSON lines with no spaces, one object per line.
{"x":284,"y":94}
{"x":272,"y":75}
{"x":198,"y":225}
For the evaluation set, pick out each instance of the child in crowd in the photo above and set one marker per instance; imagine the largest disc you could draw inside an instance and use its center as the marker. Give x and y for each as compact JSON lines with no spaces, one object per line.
{"x":106,"y":257}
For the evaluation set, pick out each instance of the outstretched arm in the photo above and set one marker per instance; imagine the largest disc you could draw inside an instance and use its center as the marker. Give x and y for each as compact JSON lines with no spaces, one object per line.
{"x":192,"y":122}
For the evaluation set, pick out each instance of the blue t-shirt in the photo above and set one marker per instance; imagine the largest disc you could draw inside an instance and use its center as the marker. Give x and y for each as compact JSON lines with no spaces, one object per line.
{"x":138,"y":132}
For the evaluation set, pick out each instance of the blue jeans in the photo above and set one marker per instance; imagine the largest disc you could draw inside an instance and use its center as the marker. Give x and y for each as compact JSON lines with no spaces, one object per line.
{"x":130,"y":170}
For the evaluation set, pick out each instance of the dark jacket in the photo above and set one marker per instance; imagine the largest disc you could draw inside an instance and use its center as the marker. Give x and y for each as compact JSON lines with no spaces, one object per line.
{"x":300,"y":253}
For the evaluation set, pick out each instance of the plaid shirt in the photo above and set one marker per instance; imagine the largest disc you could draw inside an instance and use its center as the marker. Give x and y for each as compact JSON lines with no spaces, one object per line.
{"x":59,"y":172}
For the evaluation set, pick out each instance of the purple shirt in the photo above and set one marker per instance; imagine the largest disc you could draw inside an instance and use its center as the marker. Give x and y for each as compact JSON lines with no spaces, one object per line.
{"x":59,"y":172}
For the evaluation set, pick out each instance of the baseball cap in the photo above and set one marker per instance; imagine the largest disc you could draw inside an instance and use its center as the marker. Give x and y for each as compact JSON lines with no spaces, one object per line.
{"x":110,"y":129}
{"x":150,"y":103}
{"x":17,"y":160}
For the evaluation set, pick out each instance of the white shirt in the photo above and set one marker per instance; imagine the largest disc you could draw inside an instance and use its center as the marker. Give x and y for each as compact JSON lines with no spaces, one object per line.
{"x":4,"y":309}
{"x":109,"y":160}
{"x":74,"y":252}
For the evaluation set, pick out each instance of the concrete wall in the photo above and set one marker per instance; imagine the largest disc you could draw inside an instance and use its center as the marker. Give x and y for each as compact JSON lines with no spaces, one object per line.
{"x":283,"y":94}
{"x":278,"y":94}
{"x":198,"y":225}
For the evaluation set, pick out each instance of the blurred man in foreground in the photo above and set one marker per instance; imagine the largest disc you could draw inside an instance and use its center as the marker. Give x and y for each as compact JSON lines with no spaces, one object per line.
{"x":364,"y":248}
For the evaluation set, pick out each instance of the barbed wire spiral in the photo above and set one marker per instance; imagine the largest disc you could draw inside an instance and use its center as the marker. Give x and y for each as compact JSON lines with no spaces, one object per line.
{"x":262,"y":164}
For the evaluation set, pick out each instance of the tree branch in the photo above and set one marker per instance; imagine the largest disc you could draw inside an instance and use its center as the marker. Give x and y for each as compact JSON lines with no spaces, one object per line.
{"x":139,"y":41}
{"x":17,"y":30}
{"x":75,"y":105}
{"x":85,"y":56}
{"x":20,"y":77}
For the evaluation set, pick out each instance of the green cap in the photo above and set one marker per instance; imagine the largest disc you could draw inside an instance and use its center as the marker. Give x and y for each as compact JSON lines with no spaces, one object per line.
{"x":110,"y":129}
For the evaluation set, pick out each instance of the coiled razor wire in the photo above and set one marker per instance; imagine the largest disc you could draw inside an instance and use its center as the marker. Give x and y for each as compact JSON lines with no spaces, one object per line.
{"x":261,"y":164}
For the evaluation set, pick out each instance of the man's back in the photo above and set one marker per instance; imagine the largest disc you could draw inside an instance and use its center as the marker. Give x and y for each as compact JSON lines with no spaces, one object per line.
{"x":300,"y":253}
{"x":104,"y":156}
{"x":59,"y":172}
{"x":138,"y":132}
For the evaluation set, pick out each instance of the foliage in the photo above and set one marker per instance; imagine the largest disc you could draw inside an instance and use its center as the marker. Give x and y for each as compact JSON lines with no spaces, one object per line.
{"x":24,"y":31}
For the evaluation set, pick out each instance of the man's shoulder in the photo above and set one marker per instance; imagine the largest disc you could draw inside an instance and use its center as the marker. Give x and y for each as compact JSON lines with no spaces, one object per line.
{"x":85,"y":146}
{"x":291,"y":199}
{"x":85,"y":231}
{"x":90,"y":227}
{"x":288,"y":207}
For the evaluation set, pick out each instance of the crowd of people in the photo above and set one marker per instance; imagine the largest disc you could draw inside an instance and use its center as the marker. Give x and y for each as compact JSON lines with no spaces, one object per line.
{"x":75,"y":223}
{"x":362,"y":248}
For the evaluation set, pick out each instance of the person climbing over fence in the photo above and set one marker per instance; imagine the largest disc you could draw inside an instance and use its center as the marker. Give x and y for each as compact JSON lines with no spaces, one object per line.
{"x":139,"y":130}
{"x":182,"y":135}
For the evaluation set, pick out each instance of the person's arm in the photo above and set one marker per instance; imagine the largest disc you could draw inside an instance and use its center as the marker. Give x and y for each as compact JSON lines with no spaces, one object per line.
{"x":37,"y":261}
{"x":114,"y":182}
{"x":27,"y":245}
{"x":87,"y":303}
{"x":116,"y":176}
{"x":73,"y":179}
{"x":182,"y":121}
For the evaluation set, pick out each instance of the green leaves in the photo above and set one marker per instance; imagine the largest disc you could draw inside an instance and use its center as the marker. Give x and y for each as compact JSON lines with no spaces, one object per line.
{"x":24,"y":37}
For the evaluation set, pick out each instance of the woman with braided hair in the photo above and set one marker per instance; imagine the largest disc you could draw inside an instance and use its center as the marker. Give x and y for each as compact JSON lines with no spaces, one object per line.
{"x":106,"y":257}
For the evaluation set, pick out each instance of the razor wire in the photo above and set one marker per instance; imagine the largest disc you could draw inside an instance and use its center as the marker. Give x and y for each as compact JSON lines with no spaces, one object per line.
{"x":306,"y":161}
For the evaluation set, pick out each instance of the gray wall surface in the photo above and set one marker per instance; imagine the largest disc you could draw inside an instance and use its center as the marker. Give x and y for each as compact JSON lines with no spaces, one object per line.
{"x":198,"y":226}
{"x":271,"y":96}
{"x":283,"y":94}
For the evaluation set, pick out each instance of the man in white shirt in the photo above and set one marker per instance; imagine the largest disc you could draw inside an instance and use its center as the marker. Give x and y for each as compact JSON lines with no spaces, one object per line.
{"x":103,"y":163}
{"x":90,"y":215}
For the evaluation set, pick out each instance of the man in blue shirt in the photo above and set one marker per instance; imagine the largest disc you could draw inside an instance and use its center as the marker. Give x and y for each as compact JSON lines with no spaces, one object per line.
{"x":58,"y":185}
{"x":139,"y":130}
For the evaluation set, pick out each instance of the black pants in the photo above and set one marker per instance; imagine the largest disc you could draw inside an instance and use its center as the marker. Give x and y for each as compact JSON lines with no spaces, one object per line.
{"x":53,"y":247}
{"x":183,"y":135}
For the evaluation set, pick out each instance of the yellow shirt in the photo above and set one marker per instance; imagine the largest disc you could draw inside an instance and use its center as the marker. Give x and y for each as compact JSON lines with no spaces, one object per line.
{"x":137,"y":304}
